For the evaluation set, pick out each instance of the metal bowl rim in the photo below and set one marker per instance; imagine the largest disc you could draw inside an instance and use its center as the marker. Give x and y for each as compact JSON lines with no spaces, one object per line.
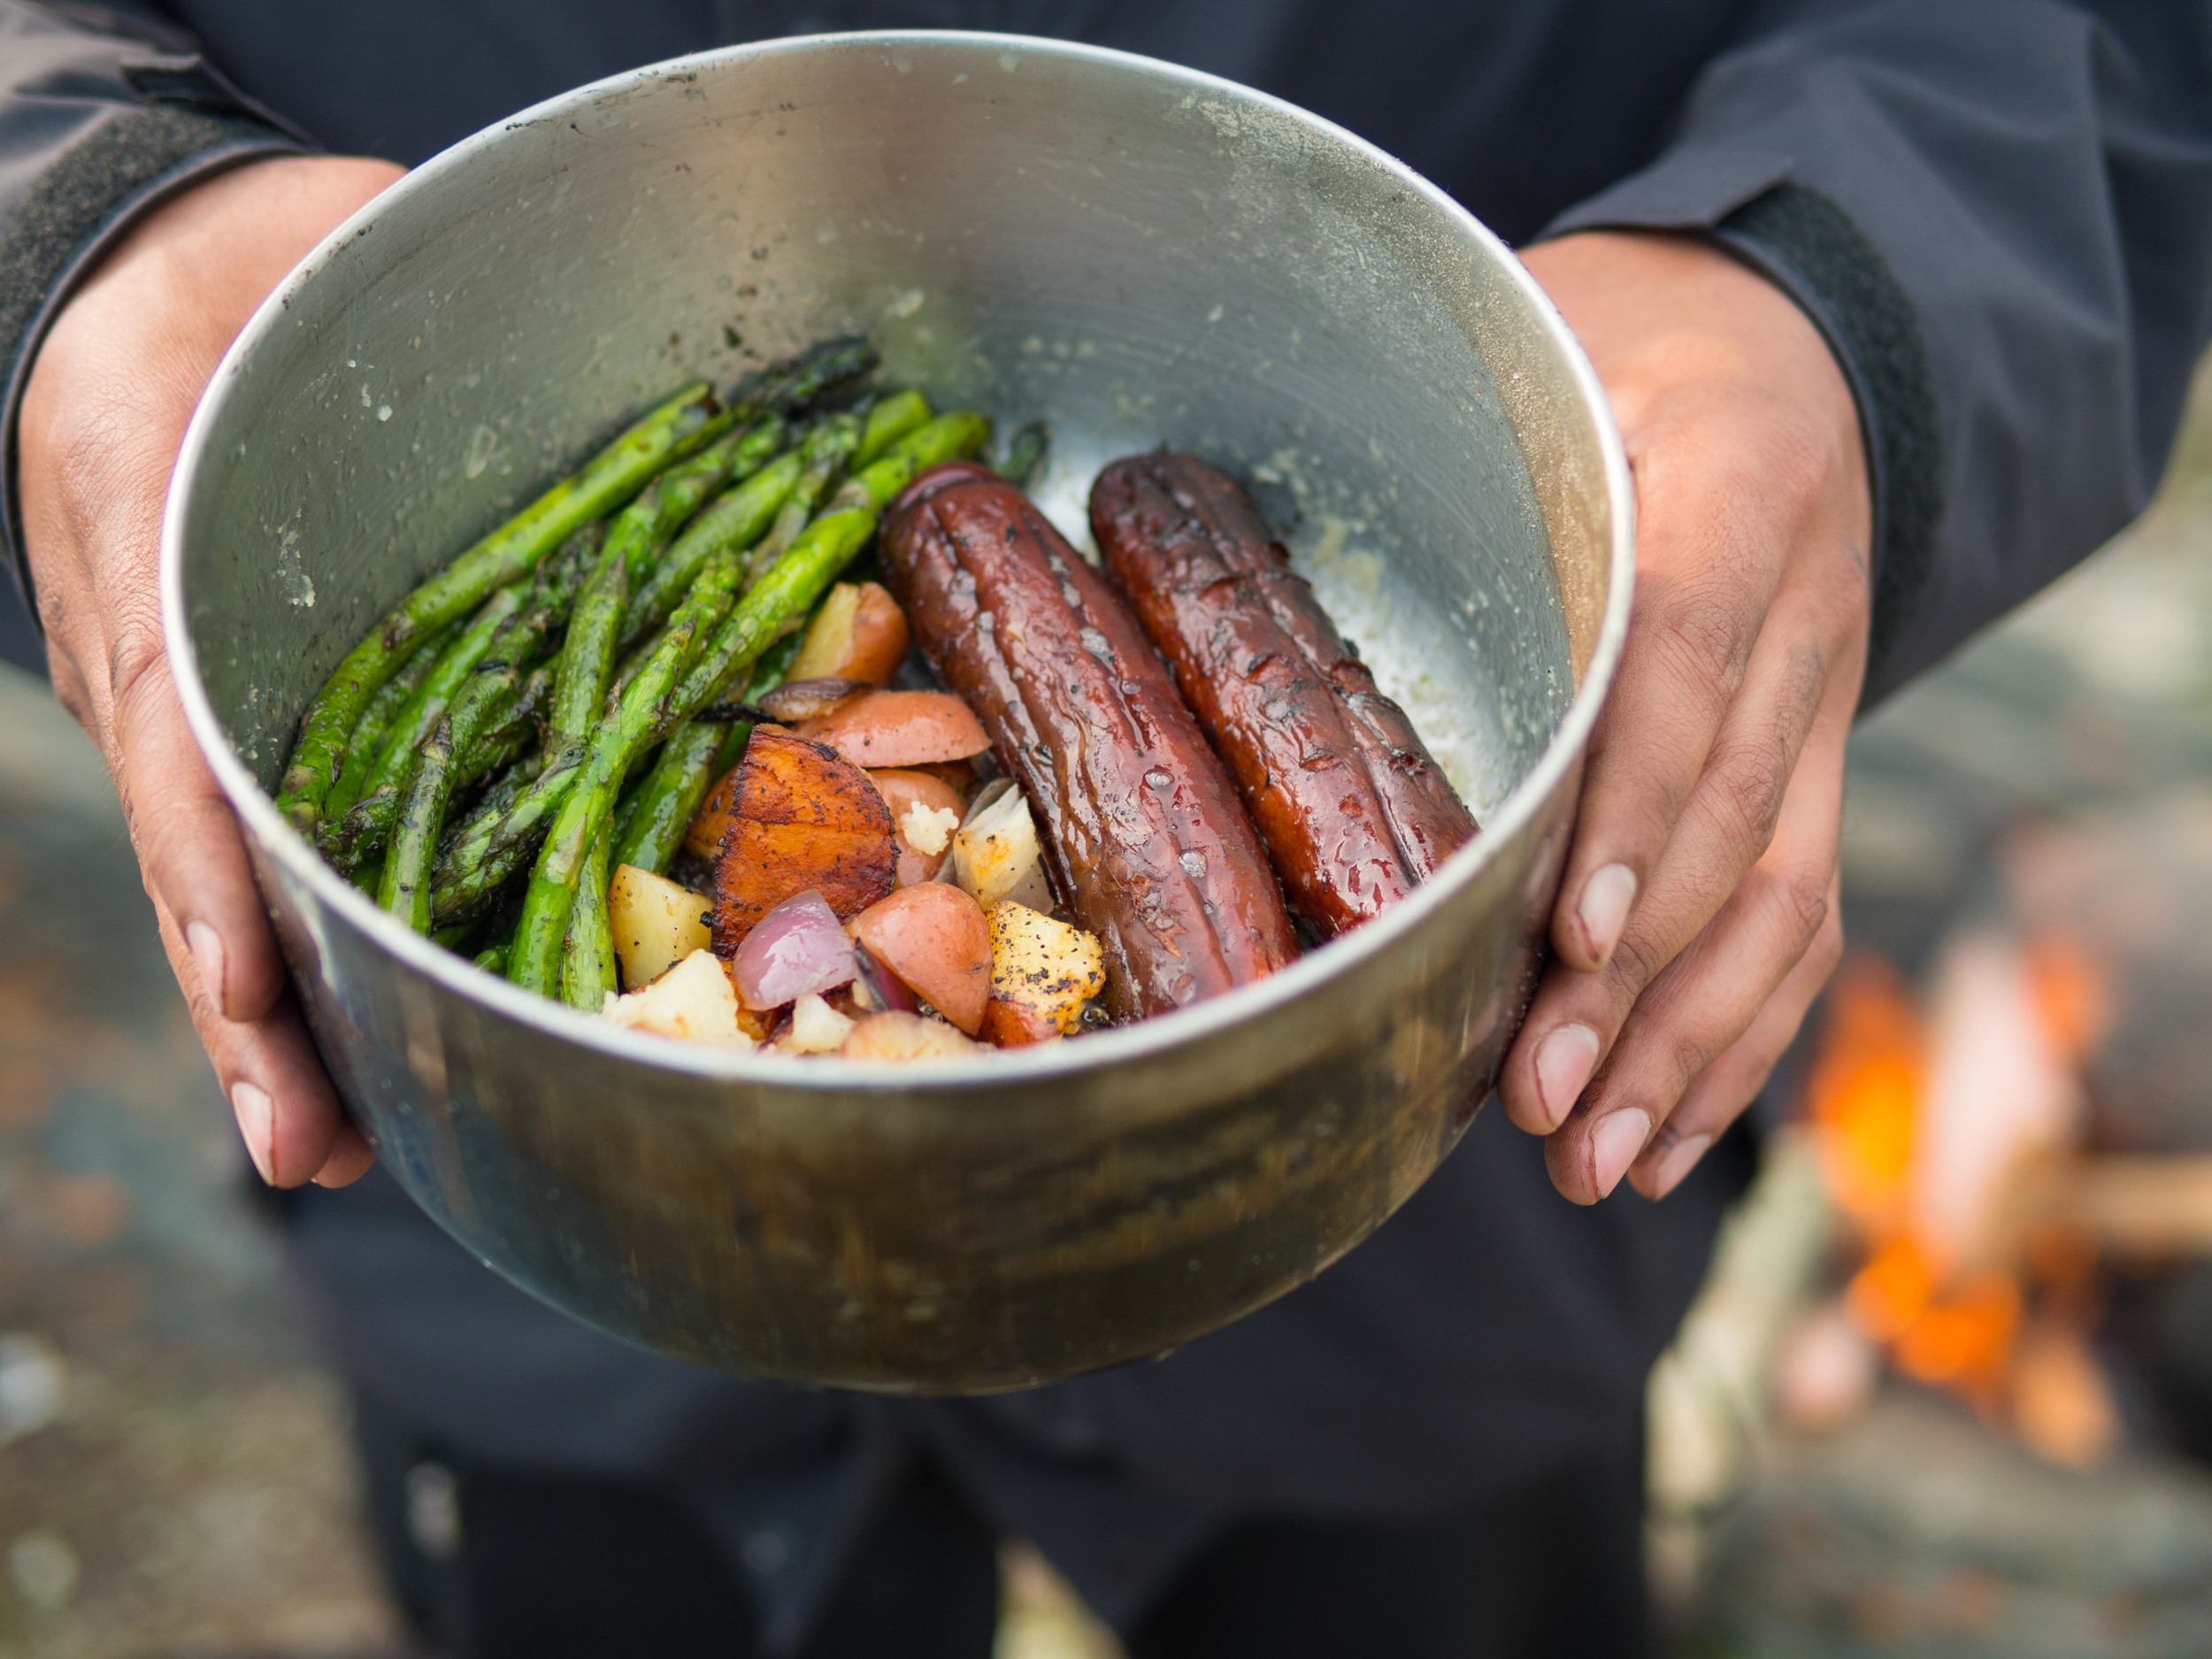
{"x":1099,"y":1050}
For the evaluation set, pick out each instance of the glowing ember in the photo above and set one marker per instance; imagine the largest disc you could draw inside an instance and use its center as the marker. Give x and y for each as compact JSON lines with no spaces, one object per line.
{"x":1928,"y":1131}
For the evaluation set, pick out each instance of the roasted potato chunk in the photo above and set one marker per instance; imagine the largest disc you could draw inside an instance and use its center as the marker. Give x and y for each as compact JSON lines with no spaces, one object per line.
{"x":925,"y":812}
{"x":800,"y":817}
{"x":702,"y":836}
{"x":933,"y":937}
{"x":900,"y":728}
{"x":693,"y":1002}
{"x":860,"y":633}
{"x":815,"y":1028}
{"x":1045,"y":974}
{"x":894,"y":1036}
{"x":797,"y":700}
{"x":657,"y":923}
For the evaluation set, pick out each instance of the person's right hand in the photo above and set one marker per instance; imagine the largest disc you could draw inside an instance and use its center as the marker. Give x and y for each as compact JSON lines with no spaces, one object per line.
{"x":109,"y":397}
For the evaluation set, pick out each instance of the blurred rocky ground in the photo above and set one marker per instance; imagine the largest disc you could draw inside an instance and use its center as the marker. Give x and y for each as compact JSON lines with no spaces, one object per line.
{"x":2054,"y":780}
{"x":173,"y":1473}
{"x":173,"y":1479}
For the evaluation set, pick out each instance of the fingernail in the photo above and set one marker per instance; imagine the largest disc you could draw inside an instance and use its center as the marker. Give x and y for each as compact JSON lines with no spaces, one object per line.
{"x":206,"y":946}
{"x":1614,"y":1144}
{"x":1604,"y":908}
{"x":1564,"y":1061}
{"x":257,"y":1122}
{"x":1680,"y":1159}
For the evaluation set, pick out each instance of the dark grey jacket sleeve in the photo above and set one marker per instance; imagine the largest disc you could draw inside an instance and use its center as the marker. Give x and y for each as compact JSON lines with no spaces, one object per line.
{"x":2000,"y":212}
{"x":101,"y":114}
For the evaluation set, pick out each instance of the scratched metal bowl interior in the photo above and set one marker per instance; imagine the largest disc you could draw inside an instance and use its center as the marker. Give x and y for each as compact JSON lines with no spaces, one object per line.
{"x":1140,"y":254}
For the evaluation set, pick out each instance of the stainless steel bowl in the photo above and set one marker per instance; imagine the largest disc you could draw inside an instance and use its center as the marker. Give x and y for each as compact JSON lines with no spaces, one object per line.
{"x":1138,"y":252}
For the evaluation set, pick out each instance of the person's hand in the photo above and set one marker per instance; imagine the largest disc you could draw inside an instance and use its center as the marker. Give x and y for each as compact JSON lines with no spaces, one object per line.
{"x":1697,"y":915}
{"x":114,"y":384}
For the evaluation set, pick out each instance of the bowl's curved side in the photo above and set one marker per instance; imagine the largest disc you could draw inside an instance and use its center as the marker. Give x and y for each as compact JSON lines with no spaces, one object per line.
{"x":1155,"y":257}
{"x":849,"y":1236}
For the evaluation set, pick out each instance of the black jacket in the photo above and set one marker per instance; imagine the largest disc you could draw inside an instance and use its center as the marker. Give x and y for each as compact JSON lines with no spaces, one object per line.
{"x":1999,"y":211}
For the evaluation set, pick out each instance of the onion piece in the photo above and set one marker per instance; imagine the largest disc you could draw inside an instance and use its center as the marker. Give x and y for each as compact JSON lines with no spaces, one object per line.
{"x":885,"y":990}
{"x":798,"y":949}
{"x":797,"y":700}
{"x":998,"y":856}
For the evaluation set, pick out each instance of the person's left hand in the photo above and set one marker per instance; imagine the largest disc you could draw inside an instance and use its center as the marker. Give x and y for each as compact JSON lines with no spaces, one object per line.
{"x":111,"y":392}
{"x":1697,"y":916}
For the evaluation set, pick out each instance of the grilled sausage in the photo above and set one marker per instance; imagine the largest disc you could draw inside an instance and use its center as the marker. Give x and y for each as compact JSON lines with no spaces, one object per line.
{"x":1354,"y":810}
{"x":1143,"y":832}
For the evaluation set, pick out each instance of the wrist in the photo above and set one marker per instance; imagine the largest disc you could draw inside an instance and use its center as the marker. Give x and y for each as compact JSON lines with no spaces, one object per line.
{"x":1663,"y":309}
{"x":222,"y":235}
{"x":1686,"y":335}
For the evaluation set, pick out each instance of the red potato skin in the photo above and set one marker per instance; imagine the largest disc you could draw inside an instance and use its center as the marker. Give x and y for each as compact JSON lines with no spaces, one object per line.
{"x":1354,"y":810}
{"x":934,"y":937}
{"x":796,"y":702}
{"x":899,"y":728}
{"x":1144,"y":835}
{"x":879,"y":639}
{"x":1009,"y":1024}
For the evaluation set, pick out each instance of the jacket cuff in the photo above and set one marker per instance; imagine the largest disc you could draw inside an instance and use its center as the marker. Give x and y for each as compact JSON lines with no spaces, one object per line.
{"x":76,"y":210}
{"x":1808,"y":247}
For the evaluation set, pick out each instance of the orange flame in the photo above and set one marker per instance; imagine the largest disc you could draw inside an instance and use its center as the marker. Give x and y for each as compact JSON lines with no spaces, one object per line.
{"x":1966,"y":1339}
{"x":1864,"y":1092}
{"x":1865,"y":1096}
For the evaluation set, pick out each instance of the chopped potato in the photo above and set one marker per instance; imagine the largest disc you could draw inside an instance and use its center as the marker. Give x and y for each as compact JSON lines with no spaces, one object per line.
{"x":928,"y":829}
{"x":1044,"y":974}
{"x":896,"y":1036}
{"x":923,"y":805}
{"x":933,"y":938}
{"x":693,"y":1002}
{"x":860,"y":633}
{"x":997,"y":856}
{"x":900,"y":728}
{"x":815,"y":1028}
{"x":797,"y":700}
{"x":656,"y":921}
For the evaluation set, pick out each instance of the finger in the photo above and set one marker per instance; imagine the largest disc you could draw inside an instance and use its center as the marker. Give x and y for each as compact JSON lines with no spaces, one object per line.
{"x":1706,"y":998}
{"x":189,"y":849}
{"x":287,"y":1114}
{"x":351,"y":1156}
{"x":1720,"y":1093}
{"x":1697,"y":1009}
{"x":1574,"y":1017}
{"x":1709,"y":562}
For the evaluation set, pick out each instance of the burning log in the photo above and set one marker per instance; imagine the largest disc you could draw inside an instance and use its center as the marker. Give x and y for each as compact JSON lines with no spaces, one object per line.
{"x":1950,"y":1145}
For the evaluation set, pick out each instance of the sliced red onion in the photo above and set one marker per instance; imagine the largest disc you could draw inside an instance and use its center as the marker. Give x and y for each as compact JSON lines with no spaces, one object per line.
{"x":798,"y":947}
{"x":888,"y":990}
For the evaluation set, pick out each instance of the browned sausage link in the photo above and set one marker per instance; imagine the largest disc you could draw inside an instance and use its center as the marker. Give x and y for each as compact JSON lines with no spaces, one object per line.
{"x":1272,"y":715}
{"x":1430,"y":820}
{"x":1154,"y":852}
{"x":1352,"y":808}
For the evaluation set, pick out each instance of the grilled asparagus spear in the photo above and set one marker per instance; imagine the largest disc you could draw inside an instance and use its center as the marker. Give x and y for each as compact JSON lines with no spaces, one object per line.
{"x":366,"y":741}
{"x":691,"y":418}
{"x":404,"y":889}
{"x":475,"y":682}
{"x":679,"y":428}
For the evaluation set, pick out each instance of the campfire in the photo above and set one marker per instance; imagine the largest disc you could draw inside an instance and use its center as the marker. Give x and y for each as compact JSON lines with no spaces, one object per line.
{"x":1952,"y":1138}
